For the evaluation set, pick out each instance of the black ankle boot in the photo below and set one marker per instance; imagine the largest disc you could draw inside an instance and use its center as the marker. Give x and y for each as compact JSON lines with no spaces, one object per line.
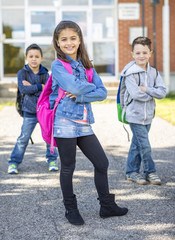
{"x":109,"y":208}
{"x":74,"y":217}
{"x":72,"y":214}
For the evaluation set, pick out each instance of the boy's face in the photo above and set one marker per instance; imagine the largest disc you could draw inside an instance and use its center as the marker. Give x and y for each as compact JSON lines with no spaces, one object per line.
{"x":141,"y":54}
{"x":34,"y":58}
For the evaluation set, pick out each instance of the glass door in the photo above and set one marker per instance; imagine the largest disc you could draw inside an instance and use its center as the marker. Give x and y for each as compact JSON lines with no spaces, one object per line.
{"x":34,"y":21}
{"x":41,"y":26}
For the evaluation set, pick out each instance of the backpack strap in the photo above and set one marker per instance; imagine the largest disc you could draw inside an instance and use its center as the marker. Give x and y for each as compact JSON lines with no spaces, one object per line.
{"x":66,"y":65}
{"x":137,"y":78}
{"x":43,"y":78}
{"x":61,"y":92}
{"x":89,"y":73}
{"x":154,"y":73}
{"x":26,"y":75}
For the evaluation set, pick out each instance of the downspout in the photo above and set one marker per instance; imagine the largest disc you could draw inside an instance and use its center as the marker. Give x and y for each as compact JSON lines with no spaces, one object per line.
{"x":166,"y":44}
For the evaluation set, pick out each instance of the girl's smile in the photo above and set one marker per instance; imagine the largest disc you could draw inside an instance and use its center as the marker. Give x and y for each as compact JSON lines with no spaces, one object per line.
{"x":69,"y":42}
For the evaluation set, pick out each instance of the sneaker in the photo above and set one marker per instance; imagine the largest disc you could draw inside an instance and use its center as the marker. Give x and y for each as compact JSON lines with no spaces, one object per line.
{"x":153,"y":179}
{"x":12,"y":169}
{"x":136,"y":177}
{"x":53,"y":166}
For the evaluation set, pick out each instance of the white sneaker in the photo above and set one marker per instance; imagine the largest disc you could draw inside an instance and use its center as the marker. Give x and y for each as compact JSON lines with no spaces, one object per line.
{"x":136,"y":177}
{"x":12,"y":169}
{"x":153,"y":179}
{"x":53,"y":166}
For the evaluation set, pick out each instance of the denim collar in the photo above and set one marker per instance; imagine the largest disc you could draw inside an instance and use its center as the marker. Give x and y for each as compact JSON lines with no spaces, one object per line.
{"x":74,"y":64}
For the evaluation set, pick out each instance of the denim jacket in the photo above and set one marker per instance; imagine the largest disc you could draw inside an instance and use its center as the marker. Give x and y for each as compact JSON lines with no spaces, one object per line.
{"x":76,"y":83}
{"x":33,"y":91}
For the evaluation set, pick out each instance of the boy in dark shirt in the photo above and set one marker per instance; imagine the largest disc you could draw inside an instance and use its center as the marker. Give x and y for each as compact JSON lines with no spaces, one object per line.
{"x":31,"y":88}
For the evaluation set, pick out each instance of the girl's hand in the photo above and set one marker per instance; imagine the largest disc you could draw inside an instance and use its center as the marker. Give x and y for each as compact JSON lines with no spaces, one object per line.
{"x":25,"y":83}
{"x":68,"y":94}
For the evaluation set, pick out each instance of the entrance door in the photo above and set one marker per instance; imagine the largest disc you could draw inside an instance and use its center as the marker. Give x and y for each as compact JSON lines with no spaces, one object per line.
{"x":40,"y":30}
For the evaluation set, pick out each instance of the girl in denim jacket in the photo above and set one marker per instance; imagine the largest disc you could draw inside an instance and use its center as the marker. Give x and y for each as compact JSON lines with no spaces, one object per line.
{"x":73,"y":118}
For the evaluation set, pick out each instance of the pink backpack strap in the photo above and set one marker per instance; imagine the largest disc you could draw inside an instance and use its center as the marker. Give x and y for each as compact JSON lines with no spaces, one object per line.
{"x":89,"y":73}
{"x":66,"y":65}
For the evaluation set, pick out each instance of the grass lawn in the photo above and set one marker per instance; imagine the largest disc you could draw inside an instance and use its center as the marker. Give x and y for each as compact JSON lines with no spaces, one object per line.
{"x":165,"y":109}
{"x":6,"y":104}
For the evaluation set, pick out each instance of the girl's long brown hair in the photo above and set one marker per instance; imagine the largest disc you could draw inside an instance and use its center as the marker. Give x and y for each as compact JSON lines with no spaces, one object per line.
{"x":82,"y":52}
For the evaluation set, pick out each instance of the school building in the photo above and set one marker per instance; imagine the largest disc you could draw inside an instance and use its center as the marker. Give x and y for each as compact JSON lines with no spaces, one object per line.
{"x":109,"y":26}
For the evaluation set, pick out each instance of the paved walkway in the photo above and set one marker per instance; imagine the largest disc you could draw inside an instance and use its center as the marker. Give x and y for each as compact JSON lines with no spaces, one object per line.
{"x":31,"y":205}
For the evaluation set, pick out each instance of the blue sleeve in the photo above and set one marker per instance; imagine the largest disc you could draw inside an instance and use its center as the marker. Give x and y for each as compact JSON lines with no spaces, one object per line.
{"x":98,"y":94}
{"x":69,"y":82}
{"x":39,"y":86}
{"x":32,"y":89}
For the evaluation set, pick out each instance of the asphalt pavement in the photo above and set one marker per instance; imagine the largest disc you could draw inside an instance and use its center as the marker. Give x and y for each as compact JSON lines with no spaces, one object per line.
{"x":31,"y":205}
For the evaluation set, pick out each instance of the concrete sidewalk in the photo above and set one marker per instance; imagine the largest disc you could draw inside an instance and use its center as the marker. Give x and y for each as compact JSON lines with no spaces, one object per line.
{"x":31,"y":205}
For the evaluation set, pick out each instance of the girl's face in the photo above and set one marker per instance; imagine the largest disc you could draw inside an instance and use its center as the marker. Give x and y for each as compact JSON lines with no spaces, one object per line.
{"x":141,"y":54}
{"x":69,"y":42}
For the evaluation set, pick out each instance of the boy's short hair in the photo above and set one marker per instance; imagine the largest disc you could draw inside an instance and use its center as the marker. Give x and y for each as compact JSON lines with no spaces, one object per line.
{"x":143,"y":41}
{"x":34,"y":46}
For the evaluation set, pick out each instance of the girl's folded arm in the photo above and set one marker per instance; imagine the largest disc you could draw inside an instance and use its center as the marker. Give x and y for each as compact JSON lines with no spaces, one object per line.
{"x":99,"y":94}
{"x":69,"y":82}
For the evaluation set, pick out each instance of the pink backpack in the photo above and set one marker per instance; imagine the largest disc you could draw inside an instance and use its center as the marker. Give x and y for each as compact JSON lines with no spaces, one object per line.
{"x":46,"y":115}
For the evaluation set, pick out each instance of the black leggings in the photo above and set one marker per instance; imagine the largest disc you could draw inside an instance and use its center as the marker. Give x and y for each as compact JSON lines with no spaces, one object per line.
{"x":93,"y":150}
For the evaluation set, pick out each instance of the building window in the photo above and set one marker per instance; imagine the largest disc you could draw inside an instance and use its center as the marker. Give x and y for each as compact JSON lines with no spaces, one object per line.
{"x":12,"y":3}
{"x":13,"y":23}
{"x":48,"y":55}
{"x":75,"y":2}
{"x":103,"y":23}
{"x":42,"y":23}
{"x":42,"y":2}
{"x":35,"y":21}
{"x":104,"y":58}
{"x":79,"y":17}
{"x":13,"y":59}
{"x":103,"y":2}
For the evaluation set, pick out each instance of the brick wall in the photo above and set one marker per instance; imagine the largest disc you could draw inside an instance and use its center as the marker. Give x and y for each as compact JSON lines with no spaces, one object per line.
{"x":124,"y":25}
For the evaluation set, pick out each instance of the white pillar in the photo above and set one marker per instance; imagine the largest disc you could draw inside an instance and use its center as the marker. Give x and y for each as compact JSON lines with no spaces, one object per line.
{"x":166,"y":44}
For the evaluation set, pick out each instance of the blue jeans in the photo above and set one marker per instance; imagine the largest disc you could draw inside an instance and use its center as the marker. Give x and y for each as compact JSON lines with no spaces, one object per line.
{"x":22,"y":142}
{"x":140,"y":150}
